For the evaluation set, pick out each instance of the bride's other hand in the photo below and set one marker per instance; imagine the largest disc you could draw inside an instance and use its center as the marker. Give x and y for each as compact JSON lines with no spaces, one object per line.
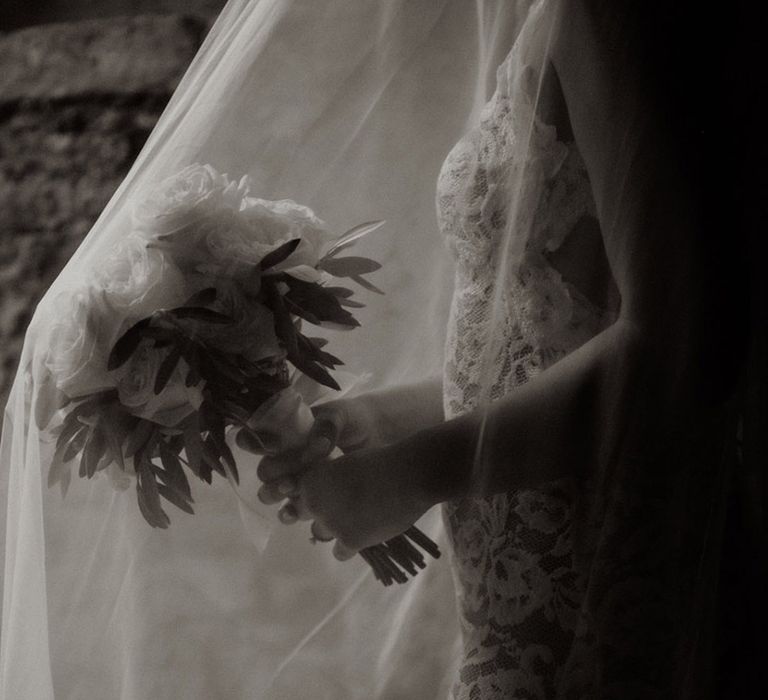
{"x":346,"y":424}
{"x":362,"y":498}
{"x":363,"y":422}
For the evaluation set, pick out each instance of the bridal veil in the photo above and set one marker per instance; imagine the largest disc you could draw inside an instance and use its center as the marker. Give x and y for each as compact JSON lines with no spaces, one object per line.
{"x":350,"y":108}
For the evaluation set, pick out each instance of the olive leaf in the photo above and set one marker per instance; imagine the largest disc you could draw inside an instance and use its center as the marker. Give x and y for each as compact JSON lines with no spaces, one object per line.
{"x":92,"y":405}
{"x":218,"y":366}
{"x":162,"y":337}
{"x":193,"y":447}
{"x":313,"y":371}
{"x":353,"y":235}
{"x":311,"y":349}
{"x":113,"y":445}
{"x":235,"y":412}
{"x":175,"y":497}
{"x":148,"y":494}
{"x":138,"y":438}
{"x":280,"y":253}
{"x":166,"y":369}
{"x":191,"y":355}
{"x":126,"y":345}
{"x":349,"y":266}
{"x":205,"y":297}
{"x":294,"y":308}
{"x":226,"y":454}
{"x":193,"y":377}
{"x":71,"y":426}
{"x":49,"y":400}
{"x":366,"y":284}
{"x":316,"y":304}
{"x":284,"y":328}
{"x":342,"y":292}
{"x":351,"y":303}
{"x":75,"y":445}
{"x":173,"y":475}
{"x":199,"y":313}
{"x":93,"y":451}
{"x":212,"y":456}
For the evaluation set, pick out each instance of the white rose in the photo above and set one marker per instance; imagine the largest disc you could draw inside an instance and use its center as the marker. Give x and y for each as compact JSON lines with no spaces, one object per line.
{"x":218,"y":245}
{"x":283,"y":421}
{"x":137,"y":280}
{"x":79,"y":342}
{"x":276,"y":222}
{"x":136,"y":388}
{"x":227,"y":247}
{"x":184,"y":198}
{"x":131,"y":283}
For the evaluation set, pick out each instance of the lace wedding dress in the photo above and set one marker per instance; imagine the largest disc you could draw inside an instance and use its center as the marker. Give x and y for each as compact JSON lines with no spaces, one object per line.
{"x":517,"y":576}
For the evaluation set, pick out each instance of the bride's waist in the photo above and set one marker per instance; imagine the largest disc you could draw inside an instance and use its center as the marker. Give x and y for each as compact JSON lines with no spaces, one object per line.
{"x":481,"y":367}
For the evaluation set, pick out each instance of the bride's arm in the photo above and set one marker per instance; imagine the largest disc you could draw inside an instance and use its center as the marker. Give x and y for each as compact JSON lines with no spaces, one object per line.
{"x":614,"y":391}
{"x":568,"y":419}
{"x":393,"y":414}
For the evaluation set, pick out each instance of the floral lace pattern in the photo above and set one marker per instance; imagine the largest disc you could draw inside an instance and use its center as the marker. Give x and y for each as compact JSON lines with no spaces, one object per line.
{"x":518,"y":581}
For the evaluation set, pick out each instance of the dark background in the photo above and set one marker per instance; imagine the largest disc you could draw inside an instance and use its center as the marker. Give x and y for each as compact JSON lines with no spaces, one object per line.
{"x":15,"y":14}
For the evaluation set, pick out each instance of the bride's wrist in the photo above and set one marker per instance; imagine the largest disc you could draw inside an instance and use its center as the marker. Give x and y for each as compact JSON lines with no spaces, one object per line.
{"x":398,"y":412}
{"x":373,"y":408}
{"x":440,"y":462}
{"x":369,"y":413}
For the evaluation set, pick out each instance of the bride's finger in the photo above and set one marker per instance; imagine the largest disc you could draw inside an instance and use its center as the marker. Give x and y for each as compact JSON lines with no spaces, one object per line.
{"x":320,"y":532}
{"x":272,"y":492}
{"x":273,"y":468}
{"x":341,"y":552}
{"x":323,"y":436}
{"x":296,"y":509}
{"x":319,"y":447}
{"x":287,"y":514}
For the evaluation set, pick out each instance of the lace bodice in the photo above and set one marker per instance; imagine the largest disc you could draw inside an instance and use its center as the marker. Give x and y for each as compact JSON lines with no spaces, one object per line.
{"x":508,"y":195}
{"x":512,"y":174}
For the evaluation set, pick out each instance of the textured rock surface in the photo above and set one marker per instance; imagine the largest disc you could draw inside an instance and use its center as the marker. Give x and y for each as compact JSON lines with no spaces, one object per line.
{"x":128,"y":54}
{"x":77,"y":102}
{"x":15,"y":14}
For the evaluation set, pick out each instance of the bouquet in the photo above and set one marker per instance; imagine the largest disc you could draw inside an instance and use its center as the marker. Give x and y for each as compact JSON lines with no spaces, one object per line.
{"x":190,"y":328}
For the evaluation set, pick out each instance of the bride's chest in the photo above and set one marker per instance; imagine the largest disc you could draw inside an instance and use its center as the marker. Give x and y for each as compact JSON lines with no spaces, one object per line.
{"x":509,"y":185}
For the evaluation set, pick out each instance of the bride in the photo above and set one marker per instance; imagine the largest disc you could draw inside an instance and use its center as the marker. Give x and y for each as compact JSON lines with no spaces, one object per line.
{"x":591,"y":336}
{"x":573,"y":425}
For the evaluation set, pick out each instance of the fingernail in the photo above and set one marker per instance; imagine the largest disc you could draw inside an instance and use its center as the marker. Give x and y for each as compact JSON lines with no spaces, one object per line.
{"x":287,"y":515}
{"x":285,"y":487}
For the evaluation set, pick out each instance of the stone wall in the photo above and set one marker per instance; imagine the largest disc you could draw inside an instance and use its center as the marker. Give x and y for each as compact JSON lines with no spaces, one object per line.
{"x":15,"y":14}
{"x":77,"y":102}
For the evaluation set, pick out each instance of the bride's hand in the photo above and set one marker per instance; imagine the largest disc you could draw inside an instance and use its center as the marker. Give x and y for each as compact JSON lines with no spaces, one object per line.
{"x":346,"y":424}
{"x":359,"y":499}
{"x":370,"y":493}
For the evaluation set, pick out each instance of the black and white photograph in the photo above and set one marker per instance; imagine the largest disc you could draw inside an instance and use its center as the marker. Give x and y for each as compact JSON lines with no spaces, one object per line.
{"x":383,"y":350}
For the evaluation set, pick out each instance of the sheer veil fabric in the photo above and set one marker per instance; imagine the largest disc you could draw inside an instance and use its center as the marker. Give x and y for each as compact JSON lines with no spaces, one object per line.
{"x":352,"y":108}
